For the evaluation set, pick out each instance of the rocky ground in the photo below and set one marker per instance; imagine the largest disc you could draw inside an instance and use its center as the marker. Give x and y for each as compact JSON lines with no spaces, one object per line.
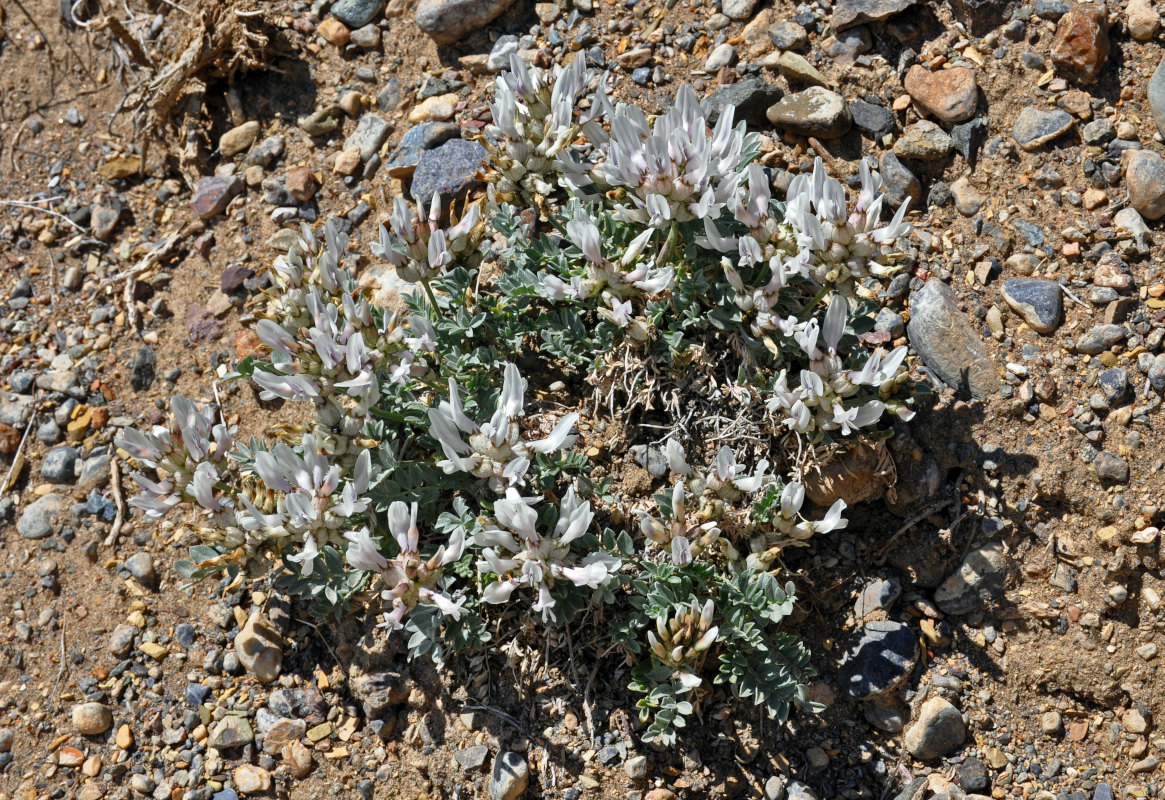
{"x":994,"y":628}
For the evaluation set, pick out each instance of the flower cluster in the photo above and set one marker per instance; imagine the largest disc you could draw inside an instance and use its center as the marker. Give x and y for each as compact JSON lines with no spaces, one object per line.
{"x":417,"y":245}
{"x":189,"y":455}
{"x":496,"y":450}
{"x":827,"y":397}
{"x":521,"y":557}
{"x":673,"y":171}
{"x":679,"y":642}
{"x":533,"y":122}
{"x":409,"y":578}
{"x":790,"y":528}
{"x":727,"y":479}
{"x":683,"y":540}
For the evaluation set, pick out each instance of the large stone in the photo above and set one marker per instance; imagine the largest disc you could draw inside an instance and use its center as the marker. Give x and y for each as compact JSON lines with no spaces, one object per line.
{"x":848,"y":13}
{"x":813,"y":112}
{"x":449,"y":170}
{"x":750,"y":98}
{"x":1143,"y":20}
{"x":91,"y":719}
{"x":231,"y":731}
{"x":739,"y":9}
{"x":370,"y":133}
{"x":949,"y":94}
{"x":924,"y":141}
{"x":39,"y":519}
{"x":447,"y":21}
{"x":968,"y":138}
{"x":1039,"y":302}
{"x":899,"y":184}
{"x":981,"y":577}
{"x":1080,"y":46}
{"x":509,"y":777}
{"x":213,"y":194}
{"x":238,"y":139}
{"x":1145,"y":176}
{"x":881,"y":659}
{"x":938,"y":731}
{"x":15,"y":409}
{"x":946,"y":340}
{"x":1156,"y":93}
{"x":797,"y":69}
{"x":871,"y":119}
{"x":357,"y":13}
{"x":259,"y":648}
{"x":1036,"y":127}
{"x":983,"y":16}
{"x":1099,"y":338}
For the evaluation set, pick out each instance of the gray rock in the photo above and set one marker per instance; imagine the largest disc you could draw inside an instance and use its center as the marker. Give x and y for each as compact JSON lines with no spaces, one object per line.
{"x":231,"y":731}
{"x":15,"y":409}
{"x":947,"y":342}
{"x":847,"y":45}
{"x":1100,"y":131}
{"x":799,"y":71}
{"x":322,"y":121}
{"x":871,"y":119}
{"x":369,"y":135}
{"x":788,"y":35}
{"x":446,"y":21}
{"x":367,"y":37}
{"x":1157,"y":96}
{"x":141,"y":566}
{"x":1115,"y":385}
{"x":499,"y":56}
{"x":1111,"y":467}
{"x":38,"y":520}
{"x":380,"y":692}
{"x":471,"y":757}
{"x":799,"y":791}
{"x":723,"y":55}
{"x":968,"y":138}
{"x":48,"y":432}
{"x":881,"y":660}
{"x":1099,"y":338}
{"x":636,"y":768}
{"x":1156,"y":372}
{"x":848,"y":13}
{"x":259,"y":648}
{"x":141,"y":375}
{"x":1036,"y":127}
{"x":750,"y":98}
{"x":509,"y":777}
{"x":94,"y":473}
{"x":449,"y":170}
{"x":121,"y":640}
{"x":265,"y":152}
{"x":878,"y":596}
{"x":739,"y":9}
{"x":968,"y":199}
{"x":982,"y":576}
{"x":973,"y":776}
{"x":356,"y":13}
{"x":389,"y":97}
{"x":774,"y":788}
{"x":889,"y":322}
{"x":982,"y":16}
{"x":924,"y":141}
{"x":1039,"y":302}
{"x":938,"y":731}
{"x":7,"y":737}
{"x":1145,"y":176}
{"x":103,"y":221}
{"x":886,"y":713}
{"x":407,"y":155}
{"x":813,"y":112}
{"x":60,"y":464}
{"x":898,"y":183}
{"x":91,"y":719}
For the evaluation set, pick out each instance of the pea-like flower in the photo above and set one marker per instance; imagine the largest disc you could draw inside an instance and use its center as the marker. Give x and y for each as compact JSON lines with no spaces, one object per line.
{"x":417,"y":245}
{"x":189,"y":453}
{"x":313,"y":505}
{"x":673,"y":170}
{"x":829,"y":396}
{"x":674,"y":533}
{"x":409,"y":578}
{"x":680,"y":640}
{"x":790,"y":528}
{"x":839,"y":249}
{"x":727,"y":479}
{"x":495,"y":450}
{"x":522,"y":557}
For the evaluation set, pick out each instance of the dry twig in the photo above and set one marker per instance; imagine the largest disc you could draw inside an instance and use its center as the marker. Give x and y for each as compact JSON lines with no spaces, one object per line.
{"x":118,"y":501}
{"x":16,"y":457}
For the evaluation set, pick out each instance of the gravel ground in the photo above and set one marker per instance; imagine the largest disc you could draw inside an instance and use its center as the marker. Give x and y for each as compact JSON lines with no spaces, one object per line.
{"x":993,"y":628}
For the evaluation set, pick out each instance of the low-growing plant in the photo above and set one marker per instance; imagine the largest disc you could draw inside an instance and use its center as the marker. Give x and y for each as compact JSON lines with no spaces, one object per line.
{"x":646,"y":264}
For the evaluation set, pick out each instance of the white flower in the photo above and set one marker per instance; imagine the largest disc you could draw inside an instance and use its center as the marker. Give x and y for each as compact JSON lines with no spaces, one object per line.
{"x":417,"y":245}
{"x":520,"y":556}
{"x":495,"y":450}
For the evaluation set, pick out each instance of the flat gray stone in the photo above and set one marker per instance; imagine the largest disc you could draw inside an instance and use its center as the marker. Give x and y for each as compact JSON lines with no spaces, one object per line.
{"x":750,"y":97}
{"x":369,"y":135}
{"x":924,"y":141}
{"x":448,"y":170}
{"x":1099,"y":338}
{"x":938,"y":731}
{"x":1157,"y":96}
{"x":1111,"y":467}
{"x":1145,"y":178}
{"x":357,"y":13}
{"x":878,"y":596}
{"x":447,"y":21}
{"x":15,"y":409}
{"x":1039,"y":302}
{"x":848,"y":13}
{"x":899,"y":184}
{"x":1036,"y":127}
{"x":881,"y":660}
{"x":813,"y":112}
{"x":509,"y":777}
{"x":948,"y":344}
{"x":981,"y":577}
{"x":39,"y":519}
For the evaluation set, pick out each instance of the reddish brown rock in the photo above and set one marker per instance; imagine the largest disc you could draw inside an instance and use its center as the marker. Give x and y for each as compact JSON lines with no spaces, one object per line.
{"x":1081,"y":44}
{"x":951,"y":95}
{"x":9,"y":439}
{"x":334,"y":32}
{"x":246,"y":342}
{"x":302,"y":183}
{"x":214,"y":194}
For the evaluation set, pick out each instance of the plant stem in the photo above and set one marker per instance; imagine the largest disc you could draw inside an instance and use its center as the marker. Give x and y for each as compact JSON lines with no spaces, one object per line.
{"x":432,"y":297}
{"x":808,"y":311}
